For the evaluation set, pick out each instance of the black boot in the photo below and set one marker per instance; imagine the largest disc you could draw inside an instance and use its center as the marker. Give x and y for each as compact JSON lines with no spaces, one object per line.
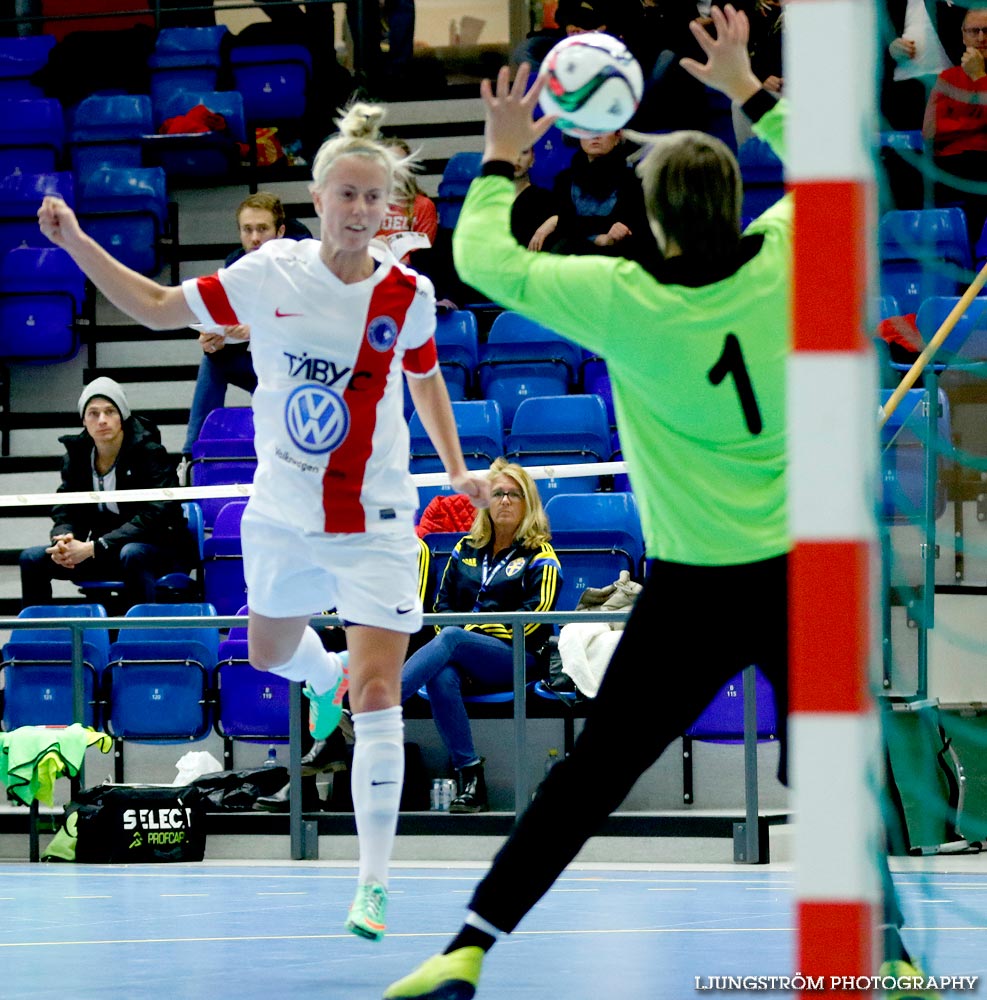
{"x":280,"y":801}
{"x":472,"y":797}
{"x":326,"y":756}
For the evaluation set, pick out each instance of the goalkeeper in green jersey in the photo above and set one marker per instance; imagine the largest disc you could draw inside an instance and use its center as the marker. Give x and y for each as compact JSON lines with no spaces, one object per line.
{"x":696,"y":350}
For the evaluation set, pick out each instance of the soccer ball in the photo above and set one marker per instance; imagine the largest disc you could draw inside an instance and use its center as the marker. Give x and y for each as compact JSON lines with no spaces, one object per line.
{"x":592,"y":83}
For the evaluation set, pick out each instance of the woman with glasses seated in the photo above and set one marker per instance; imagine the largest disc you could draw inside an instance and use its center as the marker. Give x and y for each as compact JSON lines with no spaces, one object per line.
{"x":504,"y":563}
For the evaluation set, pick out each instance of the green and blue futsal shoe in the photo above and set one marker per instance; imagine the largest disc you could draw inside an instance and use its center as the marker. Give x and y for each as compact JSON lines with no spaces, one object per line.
{"x":326,"y":709}
{"x":442,"y":977}
{"x":902,"y":970}
{"x":368,"y":912}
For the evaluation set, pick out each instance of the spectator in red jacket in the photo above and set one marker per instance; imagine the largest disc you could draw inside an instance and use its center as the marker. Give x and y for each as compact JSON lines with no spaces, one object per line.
{"x":902,"y":336}
{"x":445,"y":513}
{"x":956,"y":121}
{"x":412,"y":211}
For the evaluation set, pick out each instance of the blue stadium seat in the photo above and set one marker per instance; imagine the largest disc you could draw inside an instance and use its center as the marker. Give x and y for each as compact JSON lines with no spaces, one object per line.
{"x":608,"y":518}
{"x":223,"y":560}
{"x":185,"y":59}
{"x":38,"y":683}
{"x":456,"y":179}
{"x":909,"y":139}
{"x":595,"y":379}
{"x":560,"y":430}
{"x":226,"y":436}
{"x":20,"y":197}
{"x":32,"y":137}
{"x":158,"y":680}
{"x":902,"y":160}
{"x":125,"y":210}
{"x":904,"y":438}
{"x":922,"y":252}
{"x":228,"y":423}
{"x":441,"y":544}
{"x":234,"y":462}
{"x":252,"y":704}
{"x":887,"y":306}
{"x":20,"y":59}
{"x":41,"y":296}
{"x":521,"y":359}
{"x":980,"y":249}
{"x":186,"y":586}
{"x":200,"y":154}
{"x":513,"y":328}
{"x":621,"y":481}
{"x":722,"y":721}
{"x":486,"y":698}
{"x":762,"y":175}
{"x":457,"y":342}
{"x":595,"y":535}
{"x":273,"y":80}
{"x":481,"y":434}
{"x":109,"y":131}
{"x":569,"y":704}
{"x":968,"y":339}
{"x":481,"y":428}
{"x":913,"y":234}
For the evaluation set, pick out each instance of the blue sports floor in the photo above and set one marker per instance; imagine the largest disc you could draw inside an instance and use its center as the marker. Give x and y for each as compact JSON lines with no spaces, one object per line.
{"x":248,"y":931}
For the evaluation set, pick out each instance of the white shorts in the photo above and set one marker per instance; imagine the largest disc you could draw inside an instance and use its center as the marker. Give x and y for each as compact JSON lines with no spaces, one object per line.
{"x":370,"y":579}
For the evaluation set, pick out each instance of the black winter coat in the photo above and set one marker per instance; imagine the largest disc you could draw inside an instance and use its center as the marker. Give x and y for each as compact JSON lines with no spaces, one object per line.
{"x":143,"y":463}
{"x":590,"y":197}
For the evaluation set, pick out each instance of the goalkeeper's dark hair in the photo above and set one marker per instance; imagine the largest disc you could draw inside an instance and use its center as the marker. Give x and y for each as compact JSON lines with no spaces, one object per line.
{"x":692,"y":191}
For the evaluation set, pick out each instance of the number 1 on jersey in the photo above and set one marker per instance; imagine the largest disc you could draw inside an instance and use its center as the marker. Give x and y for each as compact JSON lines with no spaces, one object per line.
{"x":731,"y":362}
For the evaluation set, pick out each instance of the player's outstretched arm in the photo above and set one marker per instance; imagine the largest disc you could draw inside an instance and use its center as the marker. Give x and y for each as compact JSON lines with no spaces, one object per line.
{"x":149,"y":303}
{"x":431,"y":399}
{"x":728,"y":64}
{"x":510,"y":125}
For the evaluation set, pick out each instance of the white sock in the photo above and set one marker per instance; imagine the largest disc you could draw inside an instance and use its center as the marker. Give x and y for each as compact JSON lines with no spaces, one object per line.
{"x":475,"y":920}
{"x":375,"y":783}
{"x":313,"y":663}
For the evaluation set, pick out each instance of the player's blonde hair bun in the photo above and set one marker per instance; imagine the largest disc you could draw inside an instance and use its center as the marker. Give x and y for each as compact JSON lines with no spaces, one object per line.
{"x":361,"y":120}
{"x":359,"y":134}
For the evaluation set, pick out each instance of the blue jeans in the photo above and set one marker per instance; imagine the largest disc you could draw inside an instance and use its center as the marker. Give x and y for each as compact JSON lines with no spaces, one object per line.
{"x":230,"y":366}
{"x":442,"y":666}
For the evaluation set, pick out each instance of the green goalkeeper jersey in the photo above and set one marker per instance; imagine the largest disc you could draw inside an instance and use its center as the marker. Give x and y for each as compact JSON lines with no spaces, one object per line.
{"x":698,"y":373}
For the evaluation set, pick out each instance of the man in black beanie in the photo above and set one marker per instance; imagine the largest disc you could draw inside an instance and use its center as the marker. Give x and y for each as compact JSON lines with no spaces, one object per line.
{"x":133,"y":542}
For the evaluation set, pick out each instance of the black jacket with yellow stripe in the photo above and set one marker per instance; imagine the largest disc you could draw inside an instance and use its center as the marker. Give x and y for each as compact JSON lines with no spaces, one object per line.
{"x":519,"y":579}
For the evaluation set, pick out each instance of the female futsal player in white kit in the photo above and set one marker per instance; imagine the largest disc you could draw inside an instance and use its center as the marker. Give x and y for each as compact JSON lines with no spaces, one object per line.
{"x":334,"y":323}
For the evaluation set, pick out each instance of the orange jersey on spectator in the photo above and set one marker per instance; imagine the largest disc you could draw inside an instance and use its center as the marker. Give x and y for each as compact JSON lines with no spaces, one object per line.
{"x":424,"y":219}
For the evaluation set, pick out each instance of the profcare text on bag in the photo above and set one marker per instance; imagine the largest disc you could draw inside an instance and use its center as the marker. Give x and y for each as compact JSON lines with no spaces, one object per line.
{"x":132,"y":824}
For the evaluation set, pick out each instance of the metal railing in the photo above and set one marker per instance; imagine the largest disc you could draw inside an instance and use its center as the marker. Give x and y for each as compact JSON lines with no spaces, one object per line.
{"x":747,"y":845}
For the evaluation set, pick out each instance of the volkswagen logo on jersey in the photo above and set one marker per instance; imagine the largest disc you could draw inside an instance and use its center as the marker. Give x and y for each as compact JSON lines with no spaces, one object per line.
{"x":381,"y":333}
{"x":317,"y":418}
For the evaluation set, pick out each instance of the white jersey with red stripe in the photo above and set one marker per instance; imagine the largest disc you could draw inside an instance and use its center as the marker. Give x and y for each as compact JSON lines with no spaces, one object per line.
{"x":330,"y":434}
